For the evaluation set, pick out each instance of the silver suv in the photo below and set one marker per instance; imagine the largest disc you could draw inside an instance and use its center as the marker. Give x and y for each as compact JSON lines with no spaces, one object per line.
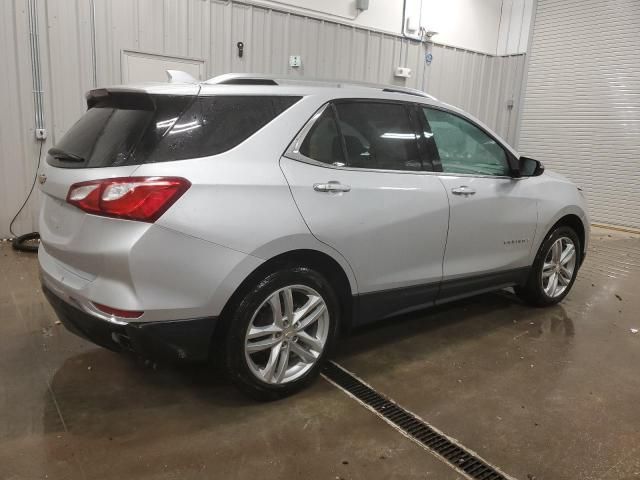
{"x":254,"y":219}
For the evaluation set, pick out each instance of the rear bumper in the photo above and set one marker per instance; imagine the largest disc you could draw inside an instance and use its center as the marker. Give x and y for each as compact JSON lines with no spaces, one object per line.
{"x":173,"y":340}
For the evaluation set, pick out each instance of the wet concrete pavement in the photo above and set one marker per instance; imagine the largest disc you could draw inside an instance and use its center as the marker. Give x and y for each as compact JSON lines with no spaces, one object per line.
{"x":541,"y":393}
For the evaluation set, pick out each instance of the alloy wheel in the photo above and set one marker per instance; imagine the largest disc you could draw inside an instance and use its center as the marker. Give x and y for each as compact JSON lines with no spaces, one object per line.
{"x":287,"y":334}
{"x":558,"y":267}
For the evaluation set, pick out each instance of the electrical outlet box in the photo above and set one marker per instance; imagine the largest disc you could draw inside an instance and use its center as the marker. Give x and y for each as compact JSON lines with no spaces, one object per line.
{"x":402,"y":72}
{"x":295,"y":61}
{"x":41,"y":133}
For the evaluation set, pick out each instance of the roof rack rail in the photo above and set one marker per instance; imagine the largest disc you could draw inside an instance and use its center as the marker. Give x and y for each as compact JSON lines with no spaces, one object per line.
{"x":262,"y":79}
{"x":407,"y":91}
{"x":242,"y":79}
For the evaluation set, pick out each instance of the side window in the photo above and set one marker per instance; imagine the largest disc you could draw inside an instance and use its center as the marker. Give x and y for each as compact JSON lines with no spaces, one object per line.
{"x":463,"y":147}
{"x":216,"y":124}
{"x":378,"y":135}
{"x":323,"y":142}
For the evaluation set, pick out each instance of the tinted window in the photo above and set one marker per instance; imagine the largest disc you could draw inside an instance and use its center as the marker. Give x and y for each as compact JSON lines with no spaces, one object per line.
{"x":111,"y":130}
{"x":129,"y":129}
{"x":378,"y":135}
{"x":215,"y":124}
{"x":323,"y":142}
{"x":465,"y":148}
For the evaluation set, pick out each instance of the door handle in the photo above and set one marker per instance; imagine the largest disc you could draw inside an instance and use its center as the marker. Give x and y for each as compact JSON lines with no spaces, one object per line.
{"x":332,"y":187}
{"x":463,"y":190}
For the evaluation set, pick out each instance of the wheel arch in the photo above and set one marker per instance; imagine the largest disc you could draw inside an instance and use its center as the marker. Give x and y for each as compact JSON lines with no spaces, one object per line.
{"x":317,"y":260}
{"x":551,"y":215}
{"x":575,"y":222}
{"x":532,"y":290}
{"x":569,"y":219}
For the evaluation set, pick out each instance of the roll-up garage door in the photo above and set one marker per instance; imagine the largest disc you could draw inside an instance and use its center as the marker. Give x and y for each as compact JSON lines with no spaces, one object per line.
{"x":581,"y":113}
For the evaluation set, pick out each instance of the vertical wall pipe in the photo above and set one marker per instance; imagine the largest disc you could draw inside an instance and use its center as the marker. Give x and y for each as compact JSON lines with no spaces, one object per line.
{"x":94,"y":63}
{"x":36,"y":76}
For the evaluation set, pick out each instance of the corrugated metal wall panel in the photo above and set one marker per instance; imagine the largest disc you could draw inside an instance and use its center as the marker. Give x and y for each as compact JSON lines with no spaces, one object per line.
{"x":582,"y":106}
{"x":480,"y":84}
{"x":17,"y":142}
{"x":210,"y":30}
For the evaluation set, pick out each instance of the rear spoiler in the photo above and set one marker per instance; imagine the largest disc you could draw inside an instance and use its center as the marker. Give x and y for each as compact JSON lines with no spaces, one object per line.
{"x":95,"y":96}
{"x":121,"y":98}
{"x":180,"y":83}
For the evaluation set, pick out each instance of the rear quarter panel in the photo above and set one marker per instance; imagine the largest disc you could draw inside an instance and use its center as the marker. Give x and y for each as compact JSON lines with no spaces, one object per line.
{"x":240,"y":199}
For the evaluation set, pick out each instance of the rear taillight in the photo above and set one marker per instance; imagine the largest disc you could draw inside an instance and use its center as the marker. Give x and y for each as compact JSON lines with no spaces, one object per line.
{"x":133,"y":198}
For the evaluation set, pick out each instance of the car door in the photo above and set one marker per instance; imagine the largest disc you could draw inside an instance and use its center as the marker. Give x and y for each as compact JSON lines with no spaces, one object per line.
{"x":357,"y":174}
{"x":493,"y":216}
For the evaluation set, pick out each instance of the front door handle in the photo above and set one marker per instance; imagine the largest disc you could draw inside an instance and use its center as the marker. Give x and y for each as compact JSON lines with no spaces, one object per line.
{"x":332,"y":186}
{"x":463,"y":190}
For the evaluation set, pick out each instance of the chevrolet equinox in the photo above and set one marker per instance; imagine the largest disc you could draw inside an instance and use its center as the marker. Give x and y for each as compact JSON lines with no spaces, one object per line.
{"x":253,"y":219}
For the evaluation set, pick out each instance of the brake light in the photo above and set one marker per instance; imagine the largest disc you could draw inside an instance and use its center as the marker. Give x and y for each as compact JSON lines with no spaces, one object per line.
{"x":117,"y":312}
{"x":144,"y":199}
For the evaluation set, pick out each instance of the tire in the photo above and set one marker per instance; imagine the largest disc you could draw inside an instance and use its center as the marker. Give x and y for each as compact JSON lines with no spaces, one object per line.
{"x":298,"y":358}
{"x":534,"y":291}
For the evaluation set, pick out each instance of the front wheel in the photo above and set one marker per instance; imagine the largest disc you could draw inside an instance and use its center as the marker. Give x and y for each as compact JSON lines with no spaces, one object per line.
{"x":554,"y":269}
{"x":281,"y":332}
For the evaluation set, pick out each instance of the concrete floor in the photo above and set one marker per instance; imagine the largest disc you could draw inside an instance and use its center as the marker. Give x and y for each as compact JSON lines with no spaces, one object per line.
{"x":541,"y":393}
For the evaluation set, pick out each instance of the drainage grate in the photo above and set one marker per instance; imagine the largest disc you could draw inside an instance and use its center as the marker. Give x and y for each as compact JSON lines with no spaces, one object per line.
{"x":412,"y":426}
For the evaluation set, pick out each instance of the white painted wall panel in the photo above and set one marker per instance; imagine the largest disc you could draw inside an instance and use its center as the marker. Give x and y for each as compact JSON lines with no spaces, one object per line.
{"x":382,"y":14}
{"x":138,"y":67}
{"x":582,"y":106}
{"x":470,"y":24}
{"x":210,"y":29}
{"x":515,"y":23}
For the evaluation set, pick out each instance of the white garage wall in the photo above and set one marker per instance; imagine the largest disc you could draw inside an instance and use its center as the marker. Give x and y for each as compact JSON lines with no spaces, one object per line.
{"x":515,"y":23}
{"x":470,"y":24}
{"x":385,"y":15}
{"x":582,"y":105}
{"x":488,"y":26}
{"x":210,"y":29}
{"x":138,"y":67}
{"x":18,"y":147}
{"x":496,"y":27}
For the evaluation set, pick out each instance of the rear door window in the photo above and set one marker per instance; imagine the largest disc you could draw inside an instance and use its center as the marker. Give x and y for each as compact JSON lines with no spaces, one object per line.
{"x":125,"y":128}
{"x":323,"y":142}
{"x":378,"y":135}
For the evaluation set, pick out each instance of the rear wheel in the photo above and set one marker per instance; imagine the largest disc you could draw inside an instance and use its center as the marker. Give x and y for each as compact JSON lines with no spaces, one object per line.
{"x":281,"y":332}
{"x":554,"y":269}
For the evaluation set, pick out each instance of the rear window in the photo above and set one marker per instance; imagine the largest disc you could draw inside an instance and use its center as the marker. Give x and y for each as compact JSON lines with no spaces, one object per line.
{"x":132,"y":129}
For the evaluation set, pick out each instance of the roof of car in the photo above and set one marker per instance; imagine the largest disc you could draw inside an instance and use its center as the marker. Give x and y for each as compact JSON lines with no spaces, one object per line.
{"x":236,"y":83}
{"x":260,"y":79}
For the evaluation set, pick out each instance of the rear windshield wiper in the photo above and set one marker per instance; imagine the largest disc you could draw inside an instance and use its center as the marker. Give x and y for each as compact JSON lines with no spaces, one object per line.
{"x":59,"y":154}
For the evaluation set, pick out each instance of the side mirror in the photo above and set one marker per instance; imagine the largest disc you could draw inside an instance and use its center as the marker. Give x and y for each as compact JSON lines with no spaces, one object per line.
{"x":530,"y":167}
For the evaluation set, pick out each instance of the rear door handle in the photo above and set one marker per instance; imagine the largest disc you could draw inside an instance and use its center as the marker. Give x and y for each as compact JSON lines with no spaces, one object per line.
{"x":331,"y":186}
{"x":463,"y":190}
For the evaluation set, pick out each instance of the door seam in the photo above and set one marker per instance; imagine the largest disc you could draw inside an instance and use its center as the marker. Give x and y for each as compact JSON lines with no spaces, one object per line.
{"x":293,"y":198}
{"x":446,"y":238}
